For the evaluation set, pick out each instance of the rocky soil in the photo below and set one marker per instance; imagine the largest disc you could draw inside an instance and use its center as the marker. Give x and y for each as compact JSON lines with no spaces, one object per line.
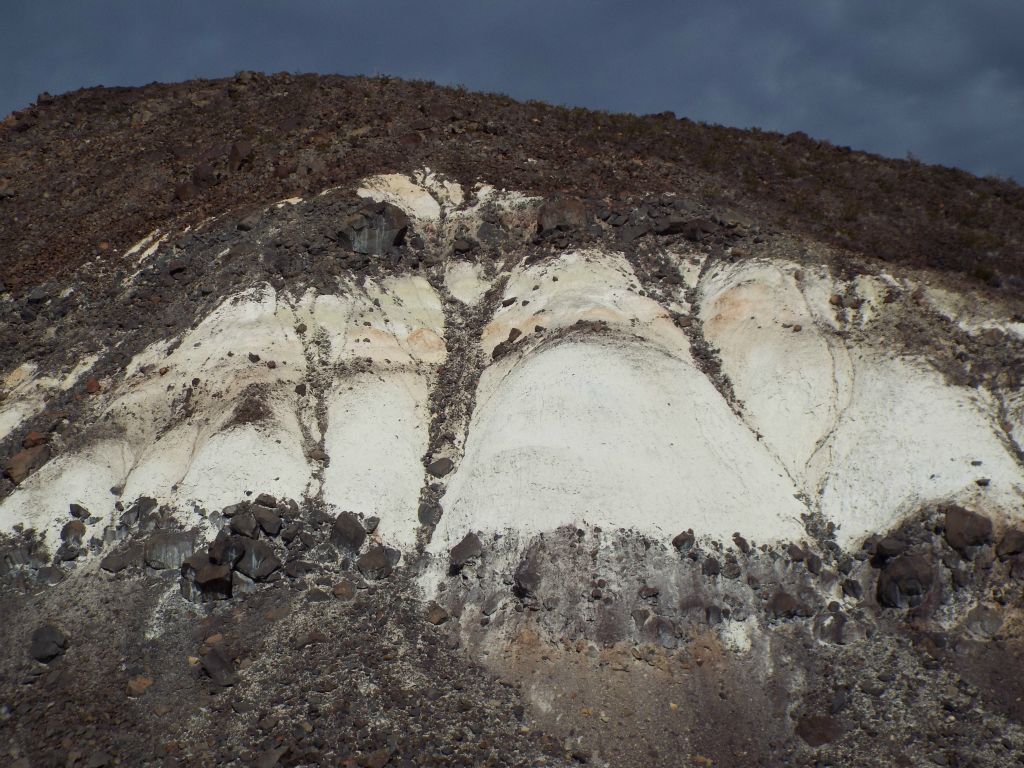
{"x":610,"y":440}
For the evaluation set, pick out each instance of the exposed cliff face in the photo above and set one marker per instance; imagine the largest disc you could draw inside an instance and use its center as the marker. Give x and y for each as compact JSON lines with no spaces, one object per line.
{"x":662,"y":465}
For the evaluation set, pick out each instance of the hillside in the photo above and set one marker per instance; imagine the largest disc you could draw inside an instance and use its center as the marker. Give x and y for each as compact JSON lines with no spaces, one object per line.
{"x":367,"y":422}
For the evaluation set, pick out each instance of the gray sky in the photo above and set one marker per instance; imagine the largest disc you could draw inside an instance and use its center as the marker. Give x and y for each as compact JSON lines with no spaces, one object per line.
{"x":942,"y":79}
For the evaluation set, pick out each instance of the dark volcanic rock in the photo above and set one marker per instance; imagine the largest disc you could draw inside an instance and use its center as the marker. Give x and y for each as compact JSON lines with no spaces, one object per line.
{"x":48,"y":642}
{"x":378,"y":562}
{"x":904,"y":581}
{"x":684,"y":540}
{"x":561,"y":214}
{"x":348,"y":533}
{"x":1012,"y":543}
{"x":468,"y":549}
{"x":25,"y":462}
{"x":441,"y":467}
{"x":258,"y":560}
{"x":218,"y":666}
{"x":168,"y":549}
{"x":527,"y":577}
{"x":245,"y":524}
{"x":965,"y":529}
{"x":227,"y":549}
{"x":374,"y":229}
{"x":818,"y":730}
{"x":268,"y":520}
{"x":214,"y":581}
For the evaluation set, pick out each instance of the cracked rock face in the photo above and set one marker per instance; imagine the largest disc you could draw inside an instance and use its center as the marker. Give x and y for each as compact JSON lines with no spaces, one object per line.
{"x":644,"y":457}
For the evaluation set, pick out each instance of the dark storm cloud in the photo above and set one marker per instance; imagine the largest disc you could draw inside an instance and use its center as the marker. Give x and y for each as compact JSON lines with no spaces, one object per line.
{"x":942,"y":80}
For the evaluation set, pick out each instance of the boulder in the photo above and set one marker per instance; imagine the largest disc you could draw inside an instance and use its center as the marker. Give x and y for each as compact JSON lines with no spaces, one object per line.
{"x":268,"y":519}
{"x":470,"y":548}
{"x":684,"y":541}
{"x":1011,"y":544}
{"x":561,"y":214}
{"x":227,"y":549}
{"x":440,"y":467}
{"x":218,"y":667}
{"x":48,"y":642}
{"x":25,"y":462}
{"x":965,"y":529}
{"x":378,"y":562}
{"x":348,"y":533}
{"x":214,"y":581}
{"x":245,"y":524}
{"x":374,"y":229}
{"x":904,"y":581}
{"x":527,"y":577}
{"x":168,"y":549}
{"x":115,"y":562}
{"x":142,"y":507}
{"x":258,"y":560}
{"x":266,"y":500}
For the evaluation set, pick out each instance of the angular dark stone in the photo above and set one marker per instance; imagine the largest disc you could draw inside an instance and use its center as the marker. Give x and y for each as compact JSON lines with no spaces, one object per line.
{"x":115,"y":562}
{"x":259,"y":560}
{"x":965,"y":529}
{"x":852,"y":588}
{"x":48,"y":642}
{"x":684,"y":541}
{"x":890,"y":546}
{"x":235,"y":509}
{"x":218,"y":666}
{"x":348,"y":533}
{"x":741,"y":543}
{"x":246,"y":525}
{"x":374,"y":229}
{"x":1011,"y":544}
{"x":470,"y":548}
{"x":904,"y":581}
{"x":527,"y":577}
{"x":142,"y":507}
{"x":214,"y":581}
{"x":813,"y":564}
{"x":290,"y":532}
{"x":268,"y":520}
{"x":378,"y":562}
{"x":561,"y":214}
{"x":168,"y":549}
{"x":370,"y":524}
{"x":227,"y":549}
{"x":77,"y":510}
{"x":266,"y":500}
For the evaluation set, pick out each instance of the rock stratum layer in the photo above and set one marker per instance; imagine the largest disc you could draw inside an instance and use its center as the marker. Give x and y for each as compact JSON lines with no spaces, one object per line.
{"x":504,"y":460}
